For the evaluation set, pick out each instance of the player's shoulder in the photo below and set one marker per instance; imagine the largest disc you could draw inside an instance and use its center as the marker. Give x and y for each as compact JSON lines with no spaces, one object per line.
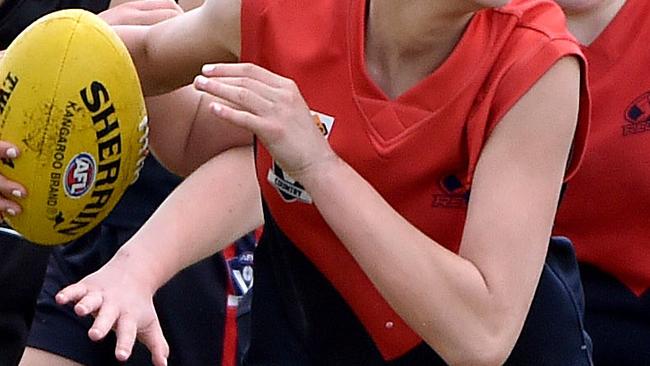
{"x":531,"y":32}
{"x":542,"y":16}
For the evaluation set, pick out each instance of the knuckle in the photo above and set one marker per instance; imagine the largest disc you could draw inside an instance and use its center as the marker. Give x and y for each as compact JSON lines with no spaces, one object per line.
{"x":276,"y":108}
{"x":290,"y":84}
{"x":243,"y":95}
{"x":244,"y":82}
{"x":285,"y":94}
{"x":247,"y":68}
{"x":276,"y":132}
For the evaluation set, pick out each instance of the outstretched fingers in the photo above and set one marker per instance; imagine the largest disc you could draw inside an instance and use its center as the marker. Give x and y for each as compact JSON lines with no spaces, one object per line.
{"x":89,"y":304}
{"x":126,"y":332}
{"x":104,"y":322}
{"x":71,"y":294}
{"x":153,"y":338}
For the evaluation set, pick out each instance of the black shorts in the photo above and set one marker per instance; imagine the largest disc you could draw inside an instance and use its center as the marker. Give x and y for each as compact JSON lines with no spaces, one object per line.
{"x":191,"y":307}
{"x":617,"y":320}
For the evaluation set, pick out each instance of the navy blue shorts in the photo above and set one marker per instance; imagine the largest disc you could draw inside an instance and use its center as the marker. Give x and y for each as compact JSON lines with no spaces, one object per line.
{"x":617,"y":320}
{"x":299,"y":319}
{"x":22,"y":266}
{"x":191,"y":307}
{"x":554,"y":332}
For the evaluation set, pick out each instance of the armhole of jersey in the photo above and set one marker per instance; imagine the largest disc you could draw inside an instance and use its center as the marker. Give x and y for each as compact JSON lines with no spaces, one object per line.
{"x":579,"y":146}
{"x":519,"y":79}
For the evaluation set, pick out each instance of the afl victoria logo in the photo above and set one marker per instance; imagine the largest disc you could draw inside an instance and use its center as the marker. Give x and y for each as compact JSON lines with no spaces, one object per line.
{"x":289,"y":189}
{"x":79,"y":175}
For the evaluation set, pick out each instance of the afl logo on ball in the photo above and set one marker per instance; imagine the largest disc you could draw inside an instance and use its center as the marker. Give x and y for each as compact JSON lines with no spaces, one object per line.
{"x":79,"y":175}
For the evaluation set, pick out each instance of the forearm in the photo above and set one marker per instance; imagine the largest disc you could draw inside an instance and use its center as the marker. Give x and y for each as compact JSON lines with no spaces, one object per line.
{"x":449,"y":297}
{"x":136,"y":38}
{"x":169,"y":54}
{"x":216,"y":205}
{"x":184,"y":134}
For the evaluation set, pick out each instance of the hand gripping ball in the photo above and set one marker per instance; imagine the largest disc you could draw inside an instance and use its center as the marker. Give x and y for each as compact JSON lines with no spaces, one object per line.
{"x":70,"y":99}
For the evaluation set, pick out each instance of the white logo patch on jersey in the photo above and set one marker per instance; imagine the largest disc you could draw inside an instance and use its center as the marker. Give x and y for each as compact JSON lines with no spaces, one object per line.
{"x":287,"y":187}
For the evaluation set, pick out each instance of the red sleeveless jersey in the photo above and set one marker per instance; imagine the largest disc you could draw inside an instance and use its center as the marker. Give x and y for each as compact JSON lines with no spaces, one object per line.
{"x":418,"y":150}
{"x":605,"y":209}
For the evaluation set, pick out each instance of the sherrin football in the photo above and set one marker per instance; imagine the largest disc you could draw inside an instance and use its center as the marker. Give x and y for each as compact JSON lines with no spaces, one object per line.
{"x":70,"y":99}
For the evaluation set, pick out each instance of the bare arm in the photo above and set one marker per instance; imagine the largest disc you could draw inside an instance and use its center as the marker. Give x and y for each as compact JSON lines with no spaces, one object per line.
{"x":209,"y":210}
{"x":214,"y":206}
{"x":184,"y":134}
{"x":170,"y":54}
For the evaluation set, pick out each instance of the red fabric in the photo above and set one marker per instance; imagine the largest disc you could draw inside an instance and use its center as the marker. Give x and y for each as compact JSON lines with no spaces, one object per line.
{"x":606,"y":207}
{"x":230,"y":338}
{"x":403,"y":147}
{"x":230,"y":327}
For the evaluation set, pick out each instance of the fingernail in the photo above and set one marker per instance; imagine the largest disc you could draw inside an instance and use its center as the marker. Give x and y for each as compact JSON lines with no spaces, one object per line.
{"x":122,"y":355}
{"x":16,"y":193}
{"x":93,"y":333}
{"x":201,"y":80}
{"x":61,"y":298}
{"x":12,"y":152}
{"x":208,"y":68}
{"x":11,"y":211}
{"x":216,"y":108}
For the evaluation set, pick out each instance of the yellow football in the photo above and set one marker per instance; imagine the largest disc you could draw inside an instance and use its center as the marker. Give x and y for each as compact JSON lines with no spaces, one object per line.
{"x":70,"y":99}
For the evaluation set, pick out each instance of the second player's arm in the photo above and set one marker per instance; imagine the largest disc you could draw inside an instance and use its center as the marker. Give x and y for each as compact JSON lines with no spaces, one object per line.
{"x":170,"y":54}
{"x":184,"y":134}
{"x":214,"y":206}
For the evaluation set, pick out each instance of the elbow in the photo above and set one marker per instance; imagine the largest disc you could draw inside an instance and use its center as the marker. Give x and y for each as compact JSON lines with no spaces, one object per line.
{"x":486,"y":345}
{"x":173,"y":164}
{"x":488,"y":352}
{"x":143,"y":57}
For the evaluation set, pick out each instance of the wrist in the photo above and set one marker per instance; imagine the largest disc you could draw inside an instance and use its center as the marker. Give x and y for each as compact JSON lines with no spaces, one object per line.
{"x":318,"y":174}
{"x":139,"y":267}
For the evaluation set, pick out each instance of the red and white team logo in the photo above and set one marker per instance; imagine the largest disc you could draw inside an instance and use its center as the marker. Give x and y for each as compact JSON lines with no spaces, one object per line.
{"x":287,"y":187}
{"x":79,"y":175}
